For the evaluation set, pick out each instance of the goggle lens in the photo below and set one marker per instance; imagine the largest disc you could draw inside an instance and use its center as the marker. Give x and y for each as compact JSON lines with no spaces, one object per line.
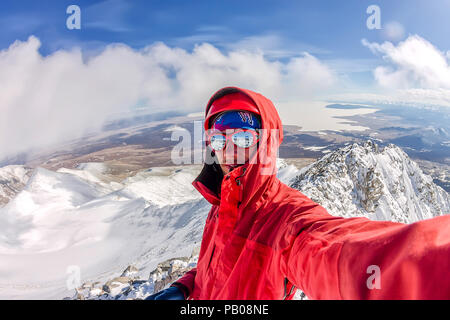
{"x":242,"y":139}
{"x":218,"y":141}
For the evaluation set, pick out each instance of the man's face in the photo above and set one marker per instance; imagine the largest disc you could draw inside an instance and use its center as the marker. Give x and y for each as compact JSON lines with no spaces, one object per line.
{"x":232,"y":156}
{"x":233,"y":136}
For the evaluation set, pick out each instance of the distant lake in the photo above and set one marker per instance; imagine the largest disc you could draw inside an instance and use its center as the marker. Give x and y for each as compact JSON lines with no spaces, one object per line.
{"x":319,"y":116}
{"x":347,"y":106}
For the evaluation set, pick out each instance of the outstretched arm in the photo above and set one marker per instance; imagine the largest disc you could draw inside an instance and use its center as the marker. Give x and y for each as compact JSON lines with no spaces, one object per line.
{"x":357,"y":258}
{"x":186,"y":282}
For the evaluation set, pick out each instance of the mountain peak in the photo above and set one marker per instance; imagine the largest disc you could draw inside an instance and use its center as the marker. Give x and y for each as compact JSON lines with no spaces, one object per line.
{"x":379,"y":183}
{"x":13,"y":179}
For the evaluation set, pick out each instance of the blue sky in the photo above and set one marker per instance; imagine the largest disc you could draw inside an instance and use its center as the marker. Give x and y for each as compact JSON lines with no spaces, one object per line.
{"x":327,"y":29}
{"x":173,"y":54}
{"x":332,"y":31}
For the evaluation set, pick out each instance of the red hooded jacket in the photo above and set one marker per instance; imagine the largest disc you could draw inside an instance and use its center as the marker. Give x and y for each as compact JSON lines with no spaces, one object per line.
{"x":262,"y":239}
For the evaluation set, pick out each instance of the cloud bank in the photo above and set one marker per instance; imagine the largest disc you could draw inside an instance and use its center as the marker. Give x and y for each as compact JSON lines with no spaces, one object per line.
{"x":414,"y":73}
{"x":413,"y":63}
{"x":46,"y":100}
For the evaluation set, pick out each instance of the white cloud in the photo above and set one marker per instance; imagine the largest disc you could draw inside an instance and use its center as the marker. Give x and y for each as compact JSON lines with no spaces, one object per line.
{"x":306,"y":75}
{"x":415,"y":73}
{"x":407,"y":97}
{"x":274,"y":46}
{"x":393,"y":31}
{"x":413,"y":63}
{"x":46,"y":100}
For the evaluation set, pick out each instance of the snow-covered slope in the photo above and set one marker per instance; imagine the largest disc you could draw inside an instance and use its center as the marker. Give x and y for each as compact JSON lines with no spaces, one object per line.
{"x":73,"y":218}
{"x":84,"y":218}
{"x":148,"y":184}
{"x":363,"y":180}
{"x":12,"y":181}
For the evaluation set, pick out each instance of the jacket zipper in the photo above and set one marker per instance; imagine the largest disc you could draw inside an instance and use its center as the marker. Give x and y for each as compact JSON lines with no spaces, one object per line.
{"x":286,"y":281}
{"x":217,"y":215}
{"x":238,"y":182}
{"x":212,"y":254}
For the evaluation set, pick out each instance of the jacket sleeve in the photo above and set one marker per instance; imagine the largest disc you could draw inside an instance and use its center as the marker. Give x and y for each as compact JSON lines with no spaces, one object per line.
{"x":186,"y":282}
{"x":357,"y":258}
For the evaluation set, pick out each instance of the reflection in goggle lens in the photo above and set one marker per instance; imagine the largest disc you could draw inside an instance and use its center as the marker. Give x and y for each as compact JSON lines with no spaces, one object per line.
{"x":242,"y":139}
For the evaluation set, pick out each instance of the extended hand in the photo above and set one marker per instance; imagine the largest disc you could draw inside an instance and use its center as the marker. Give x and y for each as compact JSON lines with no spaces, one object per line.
{"x":172,"y":293}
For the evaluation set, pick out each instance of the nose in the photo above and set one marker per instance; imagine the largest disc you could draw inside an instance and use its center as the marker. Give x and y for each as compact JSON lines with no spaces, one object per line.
{"x":235,"y":154}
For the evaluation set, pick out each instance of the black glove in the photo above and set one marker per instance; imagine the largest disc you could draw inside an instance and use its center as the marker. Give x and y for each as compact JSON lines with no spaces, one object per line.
{"x":172,"y":293}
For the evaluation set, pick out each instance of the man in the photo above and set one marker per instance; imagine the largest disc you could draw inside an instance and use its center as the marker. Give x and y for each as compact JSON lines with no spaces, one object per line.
{"x":263,"y":239}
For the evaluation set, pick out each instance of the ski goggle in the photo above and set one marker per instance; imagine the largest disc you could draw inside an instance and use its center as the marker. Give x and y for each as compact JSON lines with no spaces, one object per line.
{"x":243,"y":138}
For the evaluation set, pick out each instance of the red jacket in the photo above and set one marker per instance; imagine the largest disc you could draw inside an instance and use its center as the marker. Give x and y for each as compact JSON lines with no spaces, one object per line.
{"x":262,"y":237}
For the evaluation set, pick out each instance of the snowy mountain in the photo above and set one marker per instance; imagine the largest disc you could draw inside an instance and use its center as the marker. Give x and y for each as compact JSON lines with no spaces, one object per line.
{"x":359,"y":180}
{"x":12,"y":180}
{"x":363,"y":180}
{"x":432,"y":135}
{"x":89,"y":219}
{"x":81,"y":218}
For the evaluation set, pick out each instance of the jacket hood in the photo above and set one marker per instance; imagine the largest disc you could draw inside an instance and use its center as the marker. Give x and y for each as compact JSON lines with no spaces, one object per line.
{"x":254,"y":177}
